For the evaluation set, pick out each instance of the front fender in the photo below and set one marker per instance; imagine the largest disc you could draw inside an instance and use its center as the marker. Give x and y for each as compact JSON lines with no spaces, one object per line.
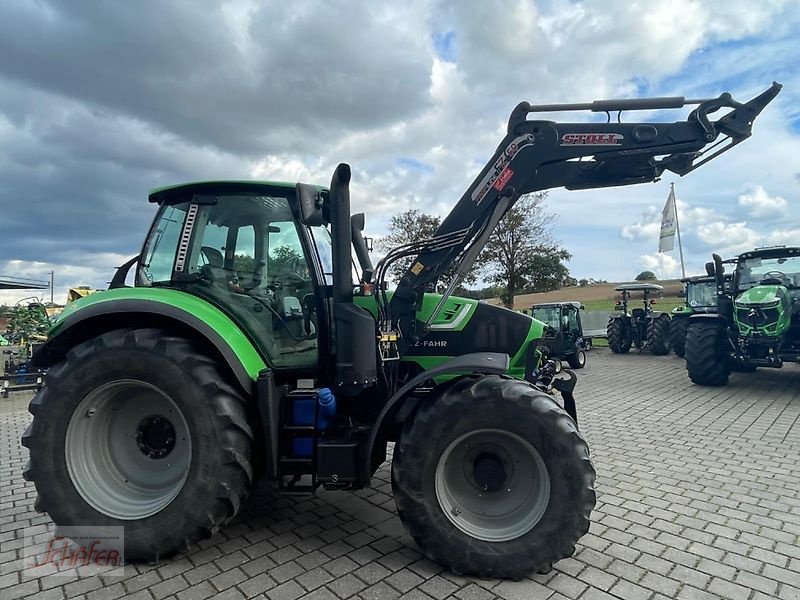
{"x":153,"y":307}
{"x":478,"y":362}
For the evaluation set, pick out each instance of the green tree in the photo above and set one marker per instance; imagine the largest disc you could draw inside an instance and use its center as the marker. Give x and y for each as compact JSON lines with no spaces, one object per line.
{"x":521,"y":253}
{"x":413,"y":226}
{"x":646,"y":276}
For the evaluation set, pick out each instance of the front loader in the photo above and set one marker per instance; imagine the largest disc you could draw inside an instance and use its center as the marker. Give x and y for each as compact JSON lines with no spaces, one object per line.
{"x":247,"y":350}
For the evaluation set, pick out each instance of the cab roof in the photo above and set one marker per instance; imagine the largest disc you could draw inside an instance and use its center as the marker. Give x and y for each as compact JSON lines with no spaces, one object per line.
{"x":638,"y":287}
{"x":172,"y":194}
{"x":771,"y":252}
{"x":574,"y":303}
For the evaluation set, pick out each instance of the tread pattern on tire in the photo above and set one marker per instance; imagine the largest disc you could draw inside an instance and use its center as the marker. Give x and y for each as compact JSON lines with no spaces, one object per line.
{"x":677,"y":335}
{"x":425,"y":523}
{"x":658,"y":335}
{"x":618,"y":339}
{"x":706,"y":359}
{"x":224,"y":496}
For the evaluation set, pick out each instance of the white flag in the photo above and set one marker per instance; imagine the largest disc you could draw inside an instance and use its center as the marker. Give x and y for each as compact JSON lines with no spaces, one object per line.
{"x":669,"y":224}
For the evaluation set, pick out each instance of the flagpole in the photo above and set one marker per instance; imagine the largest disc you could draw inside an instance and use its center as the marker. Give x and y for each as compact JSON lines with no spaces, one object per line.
{"x":678,"y":229}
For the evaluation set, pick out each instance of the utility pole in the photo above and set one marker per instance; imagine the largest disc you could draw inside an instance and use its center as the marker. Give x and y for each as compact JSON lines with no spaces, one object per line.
{"x":52,"y":280}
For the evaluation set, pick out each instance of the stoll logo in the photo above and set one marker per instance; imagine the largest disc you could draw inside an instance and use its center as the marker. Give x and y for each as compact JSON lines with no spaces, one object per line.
{"x":84,"y":551}
{"x":592,"y":139}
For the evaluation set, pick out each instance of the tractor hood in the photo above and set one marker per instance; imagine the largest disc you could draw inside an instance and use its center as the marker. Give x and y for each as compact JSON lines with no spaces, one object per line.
{"x":763,"y":310}
{"x":762,"y":295}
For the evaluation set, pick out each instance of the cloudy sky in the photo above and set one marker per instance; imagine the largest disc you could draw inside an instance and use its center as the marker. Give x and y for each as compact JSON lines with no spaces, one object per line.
{"x":101,"y":101}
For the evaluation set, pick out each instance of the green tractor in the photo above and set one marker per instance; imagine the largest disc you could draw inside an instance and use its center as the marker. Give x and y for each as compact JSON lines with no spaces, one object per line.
{"x":642,"y":328}
{"x":701,"y":297}
{"x":755,"y":323}
{"x":250,"y":348}
{"x":563,"y":332}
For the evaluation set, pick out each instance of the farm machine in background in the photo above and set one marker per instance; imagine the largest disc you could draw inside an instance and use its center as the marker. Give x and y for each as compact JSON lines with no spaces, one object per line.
{"x":756,"y":322}
{"x":247,"y":350}
{"x":700,"y":295}
{"x":563,"y":332}
{"x":640,"y":327}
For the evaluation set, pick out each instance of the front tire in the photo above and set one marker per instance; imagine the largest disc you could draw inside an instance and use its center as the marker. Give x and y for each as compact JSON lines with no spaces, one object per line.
{"x":658,"y":335}
{"x":493,"y":479}
{"x":577,"y":360}
{"x":707,"y":360}
{"x":618,"y":334}
{"x":136,"y":429}
{"x":677,"y":335}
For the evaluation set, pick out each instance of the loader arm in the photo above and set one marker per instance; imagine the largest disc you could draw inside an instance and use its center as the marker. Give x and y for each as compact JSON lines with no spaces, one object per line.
{"x":537,"y":155}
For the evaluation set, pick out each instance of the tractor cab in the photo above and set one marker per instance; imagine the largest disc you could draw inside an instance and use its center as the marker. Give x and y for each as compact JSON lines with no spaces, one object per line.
{"x":563,"y":332}
{"x":641,"y":327}
{"x":243,"y":247}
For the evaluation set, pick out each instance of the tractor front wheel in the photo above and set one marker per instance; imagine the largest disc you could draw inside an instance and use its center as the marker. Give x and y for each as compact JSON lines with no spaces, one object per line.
{"x":677,"y":335}
{"x":618,"y":334}
{"x":493,"y":479}
{"x":136,"y":429}
{"x":577,"y":360}
{"x":707,"y":360}
{"x":658,"y":335}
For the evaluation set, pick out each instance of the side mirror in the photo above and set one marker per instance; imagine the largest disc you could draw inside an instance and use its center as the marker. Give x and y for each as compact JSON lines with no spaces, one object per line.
{"x":312,"y":204}
{"x":710,"y":269}
{"x":583,"y":307}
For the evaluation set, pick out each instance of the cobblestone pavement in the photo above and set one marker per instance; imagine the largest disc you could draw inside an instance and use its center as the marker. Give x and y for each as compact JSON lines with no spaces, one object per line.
{"x":698,"y":497}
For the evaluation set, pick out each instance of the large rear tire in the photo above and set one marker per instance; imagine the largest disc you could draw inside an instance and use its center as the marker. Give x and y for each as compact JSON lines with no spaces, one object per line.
{"x":618,"y":334}
{"x":707,"y":360}
{"x":677,"y":335}
{"x":493,"y":479}
{"x":136,"y":429}
{"x":658,"y":335}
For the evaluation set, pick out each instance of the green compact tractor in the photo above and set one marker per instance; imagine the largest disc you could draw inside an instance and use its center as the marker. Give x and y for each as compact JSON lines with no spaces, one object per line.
{"x":246,"y":350}
{"x":701,"y":297}
{"x":563,"y":333}
{"x":642,"y":328}
{"x":756,"y":321}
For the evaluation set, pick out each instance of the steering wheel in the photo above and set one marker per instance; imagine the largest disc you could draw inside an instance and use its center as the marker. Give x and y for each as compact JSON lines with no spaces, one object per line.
{"x":768,"y":277}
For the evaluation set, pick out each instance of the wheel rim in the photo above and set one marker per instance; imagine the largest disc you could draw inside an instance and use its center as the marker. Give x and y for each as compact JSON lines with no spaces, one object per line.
{"x":492,"y":484}
{"x":128,"y":449}
{"x":581,"y":358}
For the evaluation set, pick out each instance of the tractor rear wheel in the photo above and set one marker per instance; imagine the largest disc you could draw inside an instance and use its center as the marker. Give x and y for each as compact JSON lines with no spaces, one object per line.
{"x":493,"y":479}
{"x":677,"y":335}
{"x":658,"y":335}
{"x":577,"y":360}
{"x":618,"y":334}
{"x":136,"y":429}
{"x":707,"y":360}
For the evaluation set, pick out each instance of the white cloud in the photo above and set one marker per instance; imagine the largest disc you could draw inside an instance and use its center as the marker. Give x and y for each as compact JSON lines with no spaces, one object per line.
{"x":663,"y":265}
{"x":760,"y":205}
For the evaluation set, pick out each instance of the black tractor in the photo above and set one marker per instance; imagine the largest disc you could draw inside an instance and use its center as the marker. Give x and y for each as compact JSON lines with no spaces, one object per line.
{"x":563,"y":332}
{"x":642,"y":327}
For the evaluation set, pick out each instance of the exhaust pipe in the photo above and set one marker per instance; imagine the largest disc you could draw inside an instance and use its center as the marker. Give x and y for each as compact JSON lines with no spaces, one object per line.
{"x":355,"y":335}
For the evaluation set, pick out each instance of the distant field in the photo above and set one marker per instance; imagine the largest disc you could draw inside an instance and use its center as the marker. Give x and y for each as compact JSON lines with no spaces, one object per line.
{"x":601,"y":296}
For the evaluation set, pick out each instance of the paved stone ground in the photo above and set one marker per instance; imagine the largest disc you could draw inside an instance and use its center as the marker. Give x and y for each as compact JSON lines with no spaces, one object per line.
{"x":698,"y":498}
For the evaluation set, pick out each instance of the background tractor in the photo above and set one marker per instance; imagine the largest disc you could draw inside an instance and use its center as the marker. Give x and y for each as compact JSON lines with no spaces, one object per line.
{"x":563,"y":332}
{"x":246,"y":349}
{"x":638,"y":327}
{"x":700,"y":297}
{"x":755,"y":323}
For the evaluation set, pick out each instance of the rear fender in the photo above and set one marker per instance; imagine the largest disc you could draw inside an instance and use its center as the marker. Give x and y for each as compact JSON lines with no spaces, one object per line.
{"x":196,"y":319}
